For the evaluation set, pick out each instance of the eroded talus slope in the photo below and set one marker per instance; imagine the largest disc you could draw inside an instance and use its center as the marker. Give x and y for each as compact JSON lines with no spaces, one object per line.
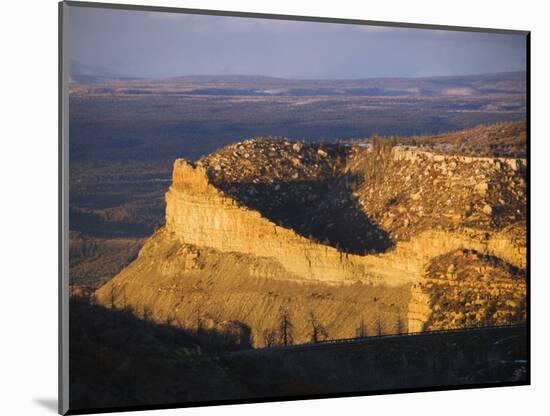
{"x":416,"y":192}
{"x":425,"y":205}
{"x":193,"y":287}
{"x":444,"y":205}
{"x":467,"y":288}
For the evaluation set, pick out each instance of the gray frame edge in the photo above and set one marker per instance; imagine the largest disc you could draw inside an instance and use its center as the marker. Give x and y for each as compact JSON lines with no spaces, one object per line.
{"x":63,"y":209}
{"x":256,"y":15}
{"x":63,"y":147}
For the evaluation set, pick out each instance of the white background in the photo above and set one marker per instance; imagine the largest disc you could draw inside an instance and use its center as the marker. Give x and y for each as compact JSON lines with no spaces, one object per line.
{"x":28,"y":233}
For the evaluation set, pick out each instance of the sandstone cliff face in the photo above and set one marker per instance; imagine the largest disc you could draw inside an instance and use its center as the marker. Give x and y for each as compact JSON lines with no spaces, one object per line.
{"x":201,"y":215}
{"x":219,"y":254}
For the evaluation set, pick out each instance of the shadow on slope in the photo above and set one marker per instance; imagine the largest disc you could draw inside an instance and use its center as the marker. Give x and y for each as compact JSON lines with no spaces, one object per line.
{"x":117,"y":359}
{"x":325,"y":211}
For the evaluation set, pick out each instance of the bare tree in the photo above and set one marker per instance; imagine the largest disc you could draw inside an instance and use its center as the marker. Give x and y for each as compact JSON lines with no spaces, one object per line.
{"x":125,"y":305}
{"x":318,"y":331}
{"x":378,"y":327}
{"x":286,"y":328}
{"x":198,"y":317}
{"x":400,"y":326}
{"x":112,"y":297}
{"x":270,"y":337}
{"x":147,"y":314}
{"x":170,"y":319}
{"x":200,"y":323}
{"x":93,"y":299}
{"x":361,"y":331}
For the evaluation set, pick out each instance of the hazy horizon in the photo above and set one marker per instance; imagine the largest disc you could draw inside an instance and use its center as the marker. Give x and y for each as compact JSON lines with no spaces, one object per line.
{"x":139,"y":44}
{"x":91,"y":70}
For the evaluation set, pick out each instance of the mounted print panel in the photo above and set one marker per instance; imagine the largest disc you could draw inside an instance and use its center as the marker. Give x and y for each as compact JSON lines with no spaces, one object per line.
{"x":262,"y":208}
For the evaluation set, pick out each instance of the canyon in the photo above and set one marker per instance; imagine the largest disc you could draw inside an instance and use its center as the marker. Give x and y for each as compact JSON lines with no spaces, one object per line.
{"x":355,"y":239}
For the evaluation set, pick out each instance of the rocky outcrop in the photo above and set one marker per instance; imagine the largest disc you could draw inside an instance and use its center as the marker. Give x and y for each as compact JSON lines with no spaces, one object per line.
{"x":466,"y":288}
{"x":416,"y":155}
{"x":200,"y":214}
{"x":408,"y":191}
{"x":213,"y":240}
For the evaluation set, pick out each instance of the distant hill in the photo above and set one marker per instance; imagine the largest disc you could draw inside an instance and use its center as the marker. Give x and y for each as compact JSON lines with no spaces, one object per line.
{"x":469,"y":85}
{"x":258,"y":85}
{"x":239,"y":78}
{"x":87,"y":74}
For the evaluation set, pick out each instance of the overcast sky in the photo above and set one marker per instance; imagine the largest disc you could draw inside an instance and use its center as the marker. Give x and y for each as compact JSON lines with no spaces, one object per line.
{"x":158,"y":44}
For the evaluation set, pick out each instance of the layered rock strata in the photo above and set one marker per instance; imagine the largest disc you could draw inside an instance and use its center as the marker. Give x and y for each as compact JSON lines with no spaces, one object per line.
{"x":211,"y":236}
{"x":200,"y":214}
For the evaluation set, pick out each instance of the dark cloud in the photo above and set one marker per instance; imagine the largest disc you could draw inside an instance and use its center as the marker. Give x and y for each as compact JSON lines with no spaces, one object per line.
{"x":156,"y":44}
